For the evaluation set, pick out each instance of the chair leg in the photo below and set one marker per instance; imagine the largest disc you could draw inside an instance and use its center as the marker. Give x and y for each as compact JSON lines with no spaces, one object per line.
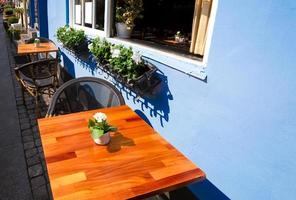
{"x":37,"y":109}
{"x":23,"y":96}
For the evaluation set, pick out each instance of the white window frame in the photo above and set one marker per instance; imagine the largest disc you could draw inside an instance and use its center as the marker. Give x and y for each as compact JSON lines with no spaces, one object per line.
{"x":91,"y":31}
{"x":192,"y":67}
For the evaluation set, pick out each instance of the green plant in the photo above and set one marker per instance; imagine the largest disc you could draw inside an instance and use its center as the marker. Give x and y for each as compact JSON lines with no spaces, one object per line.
{"x":101,"y":50}
{"x":70,"y":37}
{"x":126,"y":63}
{"x":99,"y":125}
{"x":14,"y":33}
{"x":19,"y":11}
{"x":9,"y":11}
{"x":12,"y":20}
{"x":128,"y":10}
{"x":8,"y":5}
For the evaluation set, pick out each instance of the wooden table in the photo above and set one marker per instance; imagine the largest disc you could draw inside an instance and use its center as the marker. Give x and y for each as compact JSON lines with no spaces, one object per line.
{"x":137,"y":163}
{"x":46,"y":47}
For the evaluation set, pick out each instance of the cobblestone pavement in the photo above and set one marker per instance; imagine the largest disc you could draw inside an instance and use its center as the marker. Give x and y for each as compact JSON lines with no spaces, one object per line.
{"x":30,"y":137}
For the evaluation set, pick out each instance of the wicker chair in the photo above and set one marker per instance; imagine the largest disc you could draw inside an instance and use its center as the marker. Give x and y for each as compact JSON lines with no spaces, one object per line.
{"x":37,"y":78}
{"x":82,"y":94}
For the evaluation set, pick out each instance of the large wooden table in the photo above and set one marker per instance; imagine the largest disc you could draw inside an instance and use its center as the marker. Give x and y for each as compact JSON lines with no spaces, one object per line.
{"x":46,"y":47}
{"x":137,"y":163}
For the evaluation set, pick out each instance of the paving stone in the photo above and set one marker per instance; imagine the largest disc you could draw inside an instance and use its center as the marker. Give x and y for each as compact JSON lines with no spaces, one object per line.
{"x":25,"y":126}
{"x":40,"y":193}
{"x":23,"y":116}
{"x":40,"y":150}
{"x":24,"y":121}
{"x":35,"y":170}
{"x":21,"y":111}
{"x":29,"y":145}
{"x":35,"y":129}
{"x":37,"y":182}
{"x":33,"y":122}
{"x":36,"y":135}
{"x":33,"y":160}
{"x":38,"y":142}
{"x":31,"y":152}
{"x":27,"y":132}
{"x":28,"y":138}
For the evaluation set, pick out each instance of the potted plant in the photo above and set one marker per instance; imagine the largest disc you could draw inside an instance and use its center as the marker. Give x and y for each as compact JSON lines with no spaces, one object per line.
{"x":72,"y":39}
{"x":101,"y":51}
{"x":179,"y":37}
{"x":37,"y":42}
{"x":131,"y":68}
{"x":126,"y":13}
{"x":126,"y":66}
{"x":100,"y":129}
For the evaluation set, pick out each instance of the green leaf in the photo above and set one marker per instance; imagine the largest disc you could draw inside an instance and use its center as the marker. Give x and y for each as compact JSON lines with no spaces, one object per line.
{"x":96,"y":133}
{"x":91,"y":123}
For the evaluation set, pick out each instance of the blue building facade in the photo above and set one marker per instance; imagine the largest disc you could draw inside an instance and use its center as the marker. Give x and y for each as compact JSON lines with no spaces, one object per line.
{"x":238,"y":125}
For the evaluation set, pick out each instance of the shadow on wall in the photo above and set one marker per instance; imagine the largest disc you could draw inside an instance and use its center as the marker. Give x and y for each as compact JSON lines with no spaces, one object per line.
{"x":157,"y":107}
{"x":203,"y":190}
{"x":83,"y":59}
{"x":68,"y":69}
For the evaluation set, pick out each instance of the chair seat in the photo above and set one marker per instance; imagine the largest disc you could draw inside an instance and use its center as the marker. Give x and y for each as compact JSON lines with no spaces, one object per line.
{"x":40,"y":83}
{"x":21,"y":60}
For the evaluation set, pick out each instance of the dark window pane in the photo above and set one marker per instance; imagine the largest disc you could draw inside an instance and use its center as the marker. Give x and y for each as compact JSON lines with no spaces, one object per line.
{"x":100,"y":14}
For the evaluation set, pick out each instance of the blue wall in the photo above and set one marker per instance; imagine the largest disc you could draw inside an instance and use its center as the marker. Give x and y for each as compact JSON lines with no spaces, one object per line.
{"x":240,"y":126}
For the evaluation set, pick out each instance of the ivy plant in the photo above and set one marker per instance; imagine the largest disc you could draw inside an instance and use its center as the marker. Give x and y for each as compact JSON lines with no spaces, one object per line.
{"x":126,"y":63}
{"x":101,"y":50}
{"x":70,"y":37}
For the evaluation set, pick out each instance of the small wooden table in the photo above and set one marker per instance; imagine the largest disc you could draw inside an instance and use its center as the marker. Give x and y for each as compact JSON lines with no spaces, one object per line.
{"x":46,"y":47}
{"x":137,"y":163}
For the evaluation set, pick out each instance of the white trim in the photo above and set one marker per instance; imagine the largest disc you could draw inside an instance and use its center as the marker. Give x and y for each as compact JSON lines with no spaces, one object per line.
{"x":193,"y":67}
{"x":210,"y":31}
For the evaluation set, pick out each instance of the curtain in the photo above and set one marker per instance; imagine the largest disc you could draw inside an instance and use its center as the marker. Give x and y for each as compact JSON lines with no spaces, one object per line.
{"x":201,"y":17}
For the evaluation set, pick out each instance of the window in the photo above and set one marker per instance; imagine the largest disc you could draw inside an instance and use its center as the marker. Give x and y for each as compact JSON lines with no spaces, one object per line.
{"x":89,"y":13}
{"x":178,"y":25}
{"x":180,"y":29}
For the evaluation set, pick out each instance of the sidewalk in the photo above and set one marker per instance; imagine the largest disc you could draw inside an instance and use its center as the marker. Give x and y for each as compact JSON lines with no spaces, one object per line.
{"x":22,"y":170}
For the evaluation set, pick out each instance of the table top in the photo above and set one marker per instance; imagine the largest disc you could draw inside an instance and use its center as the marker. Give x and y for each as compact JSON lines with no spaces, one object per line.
{"x":137,"y":162}
{"x":31,"y":49}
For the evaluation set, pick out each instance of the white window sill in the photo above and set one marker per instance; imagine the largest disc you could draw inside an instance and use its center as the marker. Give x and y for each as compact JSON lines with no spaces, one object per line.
{"x":183,"y":64}
{"x":192,"y":67}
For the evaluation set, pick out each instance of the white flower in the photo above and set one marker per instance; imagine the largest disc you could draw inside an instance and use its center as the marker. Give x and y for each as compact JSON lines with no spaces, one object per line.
{"x":115,"y":53}
{"x":137,"y":57}
{"x":100,"y":117}
{"x":90,"y":46}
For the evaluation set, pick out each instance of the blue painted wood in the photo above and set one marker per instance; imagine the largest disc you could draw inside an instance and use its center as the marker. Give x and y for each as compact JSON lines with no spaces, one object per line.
{"x":43,"y":18}
{"x":32,"y":12}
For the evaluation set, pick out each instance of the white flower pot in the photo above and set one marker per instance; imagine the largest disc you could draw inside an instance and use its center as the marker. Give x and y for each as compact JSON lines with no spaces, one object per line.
{"x":37,"y":44}
{"x":123,"y":31}
{"x":103,"y":140}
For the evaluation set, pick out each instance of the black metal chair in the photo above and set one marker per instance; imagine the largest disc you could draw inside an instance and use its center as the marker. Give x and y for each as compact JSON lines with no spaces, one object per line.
{"x":86,"y":93}
{"x":37,"y":78}
{"x":41,"y":39}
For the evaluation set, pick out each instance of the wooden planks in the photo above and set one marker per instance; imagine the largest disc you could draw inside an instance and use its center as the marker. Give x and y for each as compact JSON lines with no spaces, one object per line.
{"x":137,"y":163}
{"x":31,"y":49}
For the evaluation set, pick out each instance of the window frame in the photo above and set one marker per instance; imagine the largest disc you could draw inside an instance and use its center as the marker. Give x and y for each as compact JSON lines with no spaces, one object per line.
{"x":187,"y":65}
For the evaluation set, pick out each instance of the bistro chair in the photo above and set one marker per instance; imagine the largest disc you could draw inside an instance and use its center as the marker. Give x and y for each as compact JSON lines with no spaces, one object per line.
{"x":86,"y":93}
{"x":37,"y":78}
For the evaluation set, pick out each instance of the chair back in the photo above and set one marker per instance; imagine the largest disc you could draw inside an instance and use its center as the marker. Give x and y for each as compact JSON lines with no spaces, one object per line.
{"x":41,"y":39}
{"x":38,"y":70}
{"x":81,"y":94}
